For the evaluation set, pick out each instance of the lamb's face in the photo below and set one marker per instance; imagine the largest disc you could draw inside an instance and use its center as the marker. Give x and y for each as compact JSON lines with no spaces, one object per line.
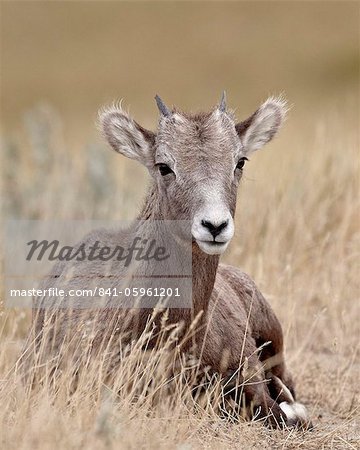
{"x":198,"y":166}
{"x":196,"y":161}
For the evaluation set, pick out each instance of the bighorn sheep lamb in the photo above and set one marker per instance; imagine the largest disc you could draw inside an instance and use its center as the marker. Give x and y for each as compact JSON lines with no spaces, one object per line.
{"x":196,"y":163}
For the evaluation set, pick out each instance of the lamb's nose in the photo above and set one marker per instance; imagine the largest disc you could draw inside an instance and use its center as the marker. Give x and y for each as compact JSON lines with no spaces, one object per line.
{"x":214,"y":228}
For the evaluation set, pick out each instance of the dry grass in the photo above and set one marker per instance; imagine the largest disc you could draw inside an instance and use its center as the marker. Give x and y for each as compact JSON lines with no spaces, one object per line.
{"x":298,"y":236}
{"x":297,"y":217}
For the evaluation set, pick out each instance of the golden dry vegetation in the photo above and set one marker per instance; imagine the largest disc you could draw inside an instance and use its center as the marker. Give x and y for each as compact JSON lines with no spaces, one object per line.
{"x":297,"y":216}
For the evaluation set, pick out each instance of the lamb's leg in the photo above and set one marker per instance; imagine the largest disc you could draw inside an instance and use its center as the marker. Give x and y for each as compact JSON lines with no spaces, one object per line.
{"x":281,"y":386}
{"x":254,"y":395}
{"x":268,"y":388}
{"x":269,"y":341}
{"x":267,"y":334}
{"x":296,"y":412}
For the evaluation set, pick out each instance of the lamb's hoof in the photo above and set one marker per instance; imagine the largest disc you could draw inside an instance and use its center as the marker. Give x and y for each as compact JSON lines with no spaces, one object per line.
{"x":296,"y":415}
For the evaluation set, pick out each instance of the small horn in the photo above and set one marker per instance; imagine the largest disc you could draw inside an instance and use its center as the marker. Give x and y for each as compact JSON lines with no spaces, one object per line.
{"x":164,"y":110}
{"x":222,"y":104}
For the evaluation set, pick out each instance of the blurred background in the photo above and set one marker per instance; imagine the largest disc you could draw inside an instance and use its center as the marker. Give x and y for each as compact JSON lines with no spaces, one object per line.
{"x":61,"y":61}
{"x":79,"y":55}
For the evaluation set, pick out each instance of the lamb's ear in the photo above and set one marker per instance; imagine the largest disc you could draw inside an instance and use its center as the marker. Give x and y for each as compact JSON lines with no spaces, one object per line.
{"x":126,"y":136}
{"x":263,"y":125}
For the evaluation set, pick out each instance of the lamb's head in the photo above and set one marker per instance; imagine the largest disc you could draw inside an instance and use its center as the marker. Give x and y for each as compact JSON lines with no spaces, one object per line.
{"x":196,"y":161}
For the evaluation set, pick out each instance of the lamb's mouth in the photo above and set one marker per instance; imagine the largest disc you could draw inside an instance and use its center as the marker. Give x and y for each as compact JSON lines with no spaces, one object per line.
{"x":212,"y":247}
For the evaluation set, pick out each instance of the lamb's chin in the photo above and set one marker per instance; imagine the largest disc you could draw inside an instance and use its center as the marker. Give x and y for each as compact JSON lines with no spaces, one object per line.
{"x":212,"y":248}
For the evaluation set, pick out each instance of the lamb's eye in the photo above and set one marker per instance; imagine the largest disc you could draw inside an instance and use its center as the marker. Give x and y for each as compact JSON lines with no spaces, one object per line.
{"x":164,"y":169}
{"x":241,"y":163}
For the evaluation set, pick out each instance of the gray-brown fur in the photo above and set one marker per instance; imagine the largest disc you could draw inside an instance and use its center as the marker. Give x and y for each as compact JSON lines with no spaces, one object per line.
{"x":203,"y":151}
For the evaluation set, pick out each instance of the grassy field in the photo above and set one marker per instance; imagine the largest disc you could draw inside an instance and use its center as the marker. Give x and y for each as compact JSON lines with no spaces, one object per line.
{"x":297,"y":224}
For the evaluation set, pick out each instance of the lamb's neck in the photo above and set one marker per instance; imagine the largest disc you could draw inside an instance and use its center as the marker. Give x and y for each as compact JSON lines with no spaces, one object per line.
{"x":204,"y":267}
